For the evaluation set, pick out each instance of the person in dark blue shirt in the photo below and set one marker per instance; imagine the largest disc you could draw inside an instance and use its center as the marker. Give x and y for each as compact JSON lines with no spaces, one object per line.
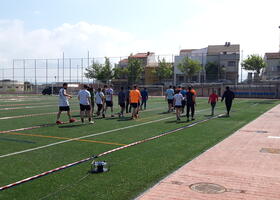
{"x":122,"y":100}
{"x":127,"y":104}
{"x":228,"y":96}
{"x":144,"y":94}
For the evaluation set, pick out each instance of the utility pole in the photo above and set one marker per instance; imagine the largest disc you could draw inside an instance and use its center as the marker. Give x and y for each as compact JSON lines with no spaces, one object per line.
{"x":241,"y":66}
{"x":279,"y":38}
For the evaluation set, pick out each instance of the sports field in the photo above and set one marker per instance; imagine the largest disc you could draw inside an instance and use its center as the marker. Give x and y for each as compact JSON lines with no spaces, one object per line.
{"x":45,"y":146}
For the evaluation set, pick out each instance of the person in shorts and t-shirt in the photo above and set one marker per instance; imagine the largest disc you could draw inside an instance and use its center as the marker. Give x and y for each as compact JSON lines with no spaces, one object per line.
{"x":109,"y":100}
{"x":135,"y":98}
{"x":85,"y":104}
{"x":169,"y":95}
{"x":178,"y":98}
{"x":64,"y":104}
{"x":99,"y":100}
{"x":184,"y":93}
{"x":190,"y":97}
{"x":122,"y":99}
{"x":92,"y":97}
{"x":213,"y":98}
{"x":145,"y":96}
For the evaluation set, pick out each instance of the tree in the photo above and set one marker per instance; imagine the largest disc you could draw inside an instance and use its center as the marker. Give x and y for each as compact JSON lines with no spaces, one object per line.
{"x":93,"y":71}
{"x":103,"y":73}
{"x":254,"y":63}
{"x":212,"y":70}
{"x":120,"y":73}
{"x":134,"y":69}
{"x":164,"y":70}
{"x":189,"y":67}
{"x":107,"y":72}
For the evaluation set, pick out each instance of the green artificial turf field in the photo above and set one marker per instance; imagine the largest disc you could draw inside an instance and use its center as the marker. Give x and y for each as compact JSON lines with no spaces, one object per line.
{"x":132,"y":170}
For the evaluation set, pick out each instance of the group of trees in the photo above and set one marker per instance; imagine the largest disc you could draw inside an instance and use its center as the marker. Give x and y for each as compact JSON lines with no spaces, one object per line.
{"x":105,"y":72}
{"x":134,"y":70}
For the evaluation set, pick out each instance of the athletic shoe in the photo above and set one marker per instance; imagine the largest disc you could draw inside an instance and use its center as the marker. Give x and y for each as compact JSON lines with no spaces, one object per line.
{"x":91,"y":122}
{"x":103,"y":115}
{"x":58,"y":122}
{"x":188,"y":120}
{"x":193,"y":118}
{"x":72,"y":120}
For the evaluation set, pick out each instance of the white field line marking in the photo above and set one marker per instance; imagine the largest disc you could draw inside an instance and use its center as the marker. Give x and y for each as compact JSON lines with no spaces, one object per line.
{"x":96,"y":134}
{"x":91,"y":135}
{"x":273,"y":137}
{"x":25,"y":107}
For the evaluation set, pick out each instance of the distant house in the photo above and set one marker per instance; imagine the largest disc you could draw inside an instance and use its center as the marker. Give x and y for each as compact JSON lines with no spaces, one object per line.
{"x":272,"y":70}
{"x":225,"y":56}
{"x":7,"y":85}
{"x":194,"y":54}
{"x":149,"y":63}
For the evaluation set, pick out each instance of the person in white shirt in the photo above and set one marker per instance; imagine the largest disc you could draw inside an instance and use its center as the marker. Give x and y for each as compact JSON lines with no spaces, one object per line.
{"x":85,"y":104}
{"x":99,"y":100}
{"x":169,"y":95}
{"x":64,"y":104}
{"x":178,"y":98}
{"x":109,"y":100}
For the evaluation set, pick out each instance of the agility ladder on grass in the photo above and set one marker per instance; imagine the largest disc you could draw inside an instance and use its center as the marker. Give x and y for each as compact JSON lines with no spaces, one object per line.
{"x":103,"y":154}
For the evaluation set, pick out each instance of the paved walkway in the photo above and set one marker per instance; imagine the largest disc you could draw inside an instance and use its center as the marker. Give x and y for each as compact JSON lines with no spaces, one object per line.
{"x":246,"y":165}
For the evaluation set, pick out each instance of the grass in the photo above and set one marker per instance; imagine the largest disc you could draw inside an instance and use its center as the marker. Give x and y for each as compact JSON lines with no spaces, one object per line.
{"x":132,"y":170}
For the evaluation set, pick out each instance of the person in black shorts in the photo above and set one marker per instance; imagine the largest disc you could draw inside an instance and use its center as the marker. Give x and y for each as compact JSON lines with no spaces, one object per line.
{"x":85,"y":104}
{"x":190,"y":97}
{"x":127,"y":105}
{"x":228,"y":96}
{"x":121,"y":98}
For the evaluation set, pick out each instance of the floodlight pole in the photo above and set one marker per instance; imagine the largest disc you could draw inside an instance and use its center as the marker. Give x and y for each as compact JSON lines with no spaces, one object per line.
{"x":70,"y":66}
{"x":63,"y":66}
{"x":279,"y":38}
{"x":57,"y":71}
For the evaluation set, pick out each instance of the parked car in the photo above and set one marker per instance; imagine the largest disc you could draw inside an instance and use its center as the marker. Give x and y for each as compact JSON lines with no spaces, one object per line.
{"x":50,"y":90}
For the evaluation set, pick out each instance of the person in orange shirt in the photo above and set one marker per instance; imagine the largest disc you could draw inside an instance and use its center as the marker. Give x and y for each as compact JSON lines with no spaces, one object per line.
{"x":213,"y":98}
{"x":135,"y":97}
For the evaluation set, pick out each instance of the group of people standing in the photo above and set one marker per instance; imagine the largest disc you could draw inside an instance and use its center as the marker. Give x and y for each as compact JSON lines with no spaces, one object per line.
{"x":179,"y":97}
{"x":131,"y":99}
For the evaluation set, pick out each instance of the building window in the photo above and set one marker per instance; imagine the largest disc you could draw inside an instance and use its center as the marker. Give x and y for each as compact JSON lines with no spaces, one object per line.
{"x":231,"y":63}
{"x":181,"y":78}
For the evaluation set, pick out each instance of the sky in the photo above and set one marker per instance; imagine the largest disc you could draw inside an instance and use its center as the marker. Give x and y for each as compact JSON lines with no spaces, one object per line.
{"x":114,"y":28}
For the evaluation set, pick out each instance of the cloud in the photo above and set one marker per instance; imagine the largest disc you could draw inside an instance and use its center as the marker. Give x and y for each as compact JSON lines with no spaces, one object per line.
{"x":73,"y":39}
{"x":251,"y":23}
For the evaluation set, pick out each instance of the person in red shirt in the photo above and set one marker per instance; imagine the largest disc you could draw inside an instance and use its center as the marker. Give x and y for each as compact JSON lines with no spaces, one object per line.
{"x":213,"y":98}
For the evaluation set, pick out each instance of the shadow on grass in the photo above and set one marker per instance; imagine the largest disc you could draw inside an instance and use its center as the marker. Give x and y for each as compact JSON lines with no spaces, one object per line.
{"x":224,"y":116}
{"x":124,"y":119}
{"x":176,"y":122}
{"x":72,"y":125}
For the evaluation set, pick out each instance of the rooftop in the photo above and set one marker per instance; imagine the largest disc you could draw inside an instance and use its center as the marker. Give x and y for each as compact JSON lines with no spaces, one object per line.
{"x":142,"y":55}
{"x":218,"y":49}
{"x":272,"y":55}
{"x":186,"y":50}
